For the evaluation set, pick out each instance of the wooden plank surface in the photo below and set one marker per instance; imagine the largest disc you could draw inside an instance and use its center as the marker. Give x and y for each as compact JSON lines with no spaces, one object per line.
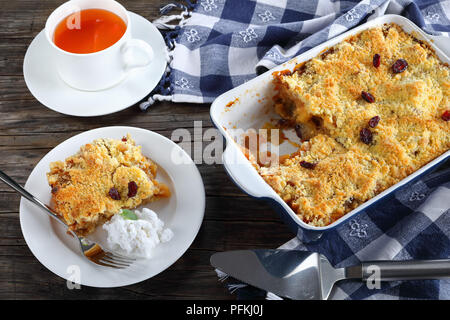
{"x":28,"y":131}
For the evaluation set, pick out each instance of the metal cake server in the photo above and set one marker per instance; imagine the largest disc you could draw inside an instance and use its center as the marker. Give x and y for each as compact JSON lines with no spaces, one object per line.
{"x":308,"y":275}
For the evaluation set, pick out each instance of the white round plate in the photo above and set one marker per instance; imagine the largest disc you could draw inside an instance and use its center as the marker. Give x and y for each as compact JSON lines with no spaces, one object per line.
{"x":182,"y":212}
{"x":44,"y":83}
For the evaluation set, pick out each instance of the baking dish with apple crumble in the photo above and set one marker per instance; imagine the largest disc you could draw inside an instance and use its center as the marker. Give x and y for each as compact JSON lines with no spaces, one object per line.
{"x":104,"y":177}
{"x":374,"y":110}
{"x":371,"y":110}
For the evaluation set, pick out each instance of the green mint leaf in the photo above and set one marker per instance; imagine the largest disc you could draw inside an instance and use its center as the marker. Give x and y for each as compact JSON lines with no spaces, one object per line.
{"x":128,"y":215}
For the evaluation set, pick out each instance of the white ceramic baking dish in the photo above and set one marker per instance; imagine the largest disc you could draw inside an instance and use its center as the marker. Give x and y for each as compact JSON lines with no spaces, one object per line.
{"x":250,"y":106}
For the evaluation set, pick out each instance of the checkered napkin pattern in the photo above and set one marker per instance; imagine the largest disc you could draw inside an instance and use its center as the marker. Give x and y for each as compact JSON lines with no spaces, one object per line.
{"x":414,"y":224}
{"x":220,"y":44}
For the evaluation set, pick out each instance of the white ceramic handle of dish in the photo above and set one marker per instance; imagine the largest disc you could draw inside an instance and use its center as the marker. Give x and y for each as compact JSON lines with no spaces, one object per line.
{"x":442,"y":43}
{"x":243,"y":174}
{"x":127,"y":54}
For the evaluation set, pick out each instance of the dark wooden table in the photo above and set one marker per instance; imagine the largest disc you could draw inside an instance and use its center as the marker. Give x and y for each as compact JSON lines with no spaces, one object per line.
{"x":28,"y":130}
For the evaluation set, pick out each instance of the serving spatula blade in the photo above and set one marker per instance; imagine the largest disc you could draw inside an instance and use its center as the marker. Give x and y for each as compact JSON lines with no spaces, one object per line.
{"x":293,"y":274}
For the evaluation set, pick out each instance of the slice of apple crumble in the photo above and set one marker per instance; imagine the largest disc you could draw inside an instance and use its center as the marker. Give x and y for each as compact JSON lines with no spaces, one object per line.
{"x":104,"y":177}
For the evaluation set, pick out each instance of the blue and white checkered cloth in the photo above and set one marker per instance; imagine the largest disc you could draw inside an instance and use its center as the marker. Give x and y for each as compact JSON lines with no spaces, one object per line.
{"x":415,"y":224}
{"x":220,"y":44}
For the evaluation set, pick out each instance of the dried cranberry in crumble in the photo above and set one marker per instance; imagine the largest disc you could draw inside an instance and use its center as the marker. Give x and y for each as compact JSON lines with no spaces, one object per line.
{"x":298,"y":130}
{"x":366,"y":136}
{"x":317,"y":121}
{"x":55,"y":189}
{"x":367,"y":96}
{"x":399,"y":66}
{"x":114,"y":193}
{"x":132,"y":189}
{"x":446,"y":115}
{"x":373,"y":122}
{"x":307,"y":165}
{"x":376,"y":60}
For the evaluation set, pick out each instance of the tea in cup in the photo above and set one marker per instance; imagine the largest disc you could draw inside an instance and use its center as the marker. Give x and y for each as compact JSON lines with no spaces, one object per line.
{"x":88,"y":31}
{"x":93,"y":45}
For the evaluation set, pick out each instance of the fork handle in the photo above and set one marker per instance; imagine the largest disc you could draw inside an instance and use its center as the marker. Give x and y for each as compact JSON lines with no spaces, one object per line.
{"x":24,"y":193}
{"x":401,"y":270}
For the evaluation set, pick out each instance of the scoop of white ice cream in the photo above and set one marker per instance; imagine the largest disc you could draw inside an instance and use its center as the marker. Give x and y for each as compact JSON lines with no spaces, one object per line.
{"x":136,"y":238}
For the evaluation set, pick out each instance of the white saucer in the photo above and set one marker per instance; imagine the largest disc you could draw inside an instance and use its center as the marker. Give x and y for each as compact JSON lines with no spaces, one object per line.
{"x":182,"y":212}
{"x":44,"y":83}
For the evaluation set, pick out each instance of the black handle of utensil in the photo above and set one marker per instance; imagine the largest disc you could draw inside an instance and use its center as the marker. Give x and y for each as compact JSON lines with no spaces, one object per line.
{"x":400,"y":270}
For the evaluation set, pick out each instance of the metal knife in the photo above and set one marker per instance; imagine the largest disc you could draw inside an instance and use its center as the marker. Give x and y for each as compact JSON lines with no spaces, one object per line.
{"x":302,"y":275}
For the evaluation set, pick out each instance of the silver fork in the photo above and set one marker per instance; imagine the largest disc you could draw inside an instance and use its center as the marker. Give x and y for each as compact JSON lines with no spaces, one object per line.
{"x":93,"y":251}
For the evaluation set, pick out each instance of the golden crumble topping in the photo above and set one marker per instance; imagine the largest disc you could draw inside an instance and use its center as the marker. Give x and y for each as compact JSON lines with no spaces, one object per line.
{"x":367,"y":124}
{"x":104,"y":177}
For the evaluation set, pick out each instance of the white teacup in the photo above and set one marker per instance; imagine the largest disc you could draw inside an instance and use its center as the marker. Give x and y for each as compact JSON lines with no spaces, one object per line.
{"x":102,"y":69}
